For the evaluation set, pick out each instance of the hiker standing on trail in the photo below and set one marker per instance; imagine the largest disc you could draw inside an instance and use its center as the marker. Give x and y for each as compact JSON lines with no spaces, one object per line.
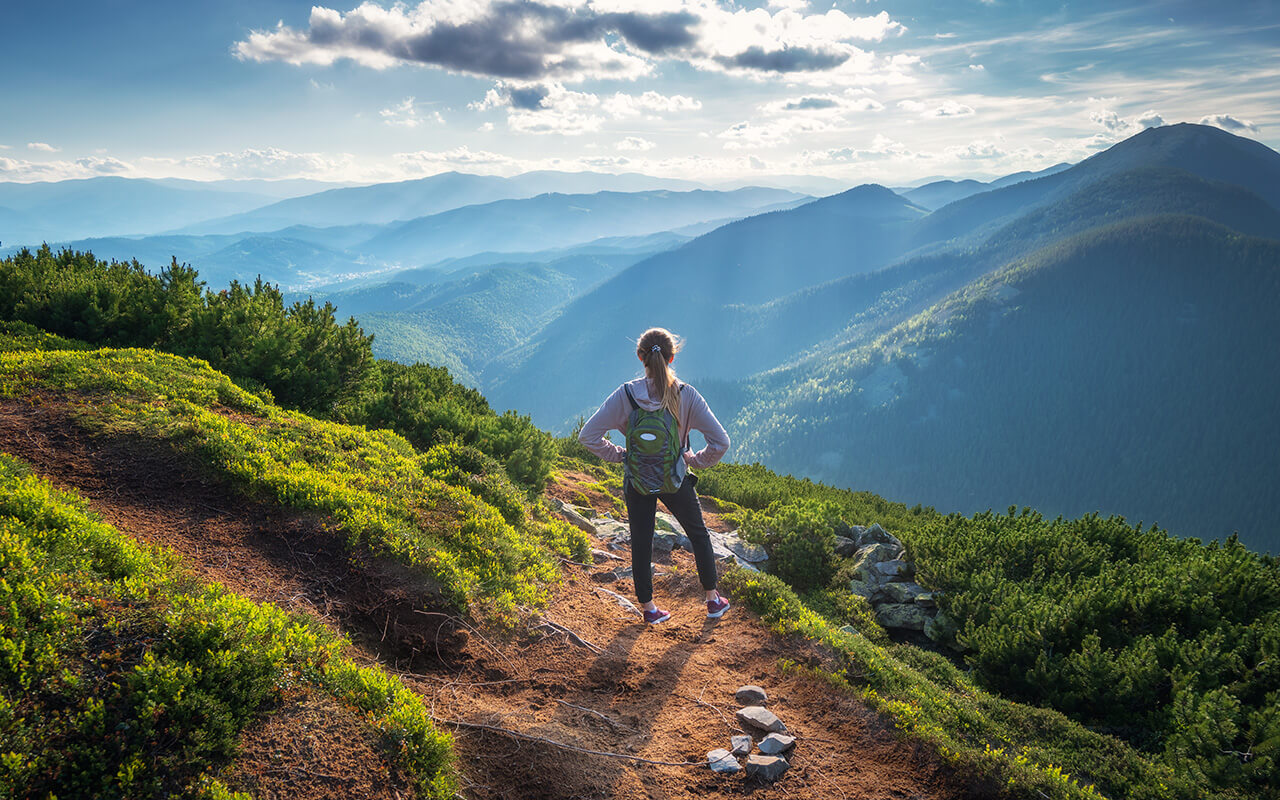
{"x":656,"y":413}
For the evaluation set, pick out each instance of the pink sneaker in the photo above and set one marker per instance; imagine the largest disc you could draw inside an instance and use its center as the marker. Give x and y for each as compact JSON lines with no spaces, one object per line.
{"x":717,"y":607}
{"x":656,"y":616}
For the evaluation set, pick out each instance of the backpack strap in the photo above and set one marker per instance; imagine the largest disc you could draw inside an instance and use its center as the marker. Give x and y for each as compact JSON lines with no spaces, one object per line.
{"x":632,"y":398}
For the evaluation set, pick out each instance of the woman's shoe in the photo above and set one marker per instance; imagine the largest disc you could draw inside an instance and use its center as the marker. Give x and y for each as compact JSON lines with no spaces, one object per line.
{"x":655,"y":616}
{"x":717,"y":607}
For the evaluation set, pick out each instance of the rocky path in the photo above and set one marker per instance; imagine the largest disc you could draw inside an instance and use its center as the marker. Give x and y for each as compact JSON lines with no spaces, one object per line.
{"x":633,"y":693}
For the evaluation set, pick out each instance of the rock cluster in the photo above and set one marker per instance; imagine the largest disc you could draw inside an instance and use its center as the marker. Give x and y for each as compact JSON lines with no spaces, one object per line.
{"x":882,"y":574}
{"x":774,"y":741}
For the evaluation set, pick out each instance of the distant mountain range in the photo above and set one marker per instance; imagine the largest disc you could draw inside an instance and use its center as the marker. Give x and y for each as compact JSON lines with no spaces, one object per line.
{"x":937,"y":194}
{"x":1047,"y":342}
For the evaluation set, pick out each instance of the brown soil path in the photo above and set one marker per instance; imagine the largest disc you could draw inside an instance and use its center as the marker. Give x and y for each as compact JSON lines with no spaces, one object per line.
{"x":663,"y":693}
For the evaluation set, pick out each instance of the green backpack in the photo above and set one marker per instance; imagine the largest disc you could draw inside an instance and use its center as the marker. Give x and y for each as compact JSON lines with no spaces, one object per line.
{"x":653,"y":449}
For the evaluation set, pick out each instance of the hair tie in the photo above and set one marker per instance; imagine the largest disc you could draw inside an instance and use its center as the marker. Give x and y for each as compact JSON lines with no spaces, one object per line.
{"x":657,"y":348}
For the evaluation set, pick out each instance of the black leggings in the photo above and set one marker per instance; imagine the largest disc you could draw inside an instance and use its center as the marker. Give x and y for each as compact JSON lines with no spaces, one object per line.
{"x":683,"y":505}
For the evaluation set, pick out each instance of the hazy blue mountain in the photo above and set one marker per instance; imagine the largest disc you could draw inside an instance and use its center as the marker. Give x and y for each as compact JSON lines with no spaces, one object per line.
{"x":1202,"y":150}
{"x":559,"y":220}
{"x":404,"y":200}
{"x":110,"y":206}
{"x":702,"y":290}
{"x":938,"y":193}
{"x":1130,"y":369}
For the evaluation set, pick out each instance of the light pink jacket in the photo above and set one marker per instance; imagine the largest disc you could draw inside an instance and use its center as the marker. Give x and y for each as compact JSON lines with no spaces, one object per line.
{"x":695,"y":415}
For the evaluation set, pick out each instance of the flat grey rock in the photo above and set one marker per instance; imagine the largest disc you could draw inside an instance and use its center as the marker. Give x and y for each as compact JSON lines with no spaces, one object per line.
{"x":768,"y":768}
{"x":740,"y":745}
{"x":902,"y":592}
{"x":893,"y":570}
{"x":750,"y":695}
{"x":761,"y":719}
{"x":902,"y":615}
{"x":776,"y":744}
{"x":722,"y":760}
{"x":845,"y":546}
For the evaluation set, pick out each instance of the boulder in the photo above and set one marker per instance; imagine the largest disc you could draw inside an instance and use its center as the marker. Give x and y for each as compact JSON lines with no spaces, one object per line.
{"x":740,"y":745}
{"x":869,"y":556}
{"x":721,"y":760}
{"x":855,"y":533}
{"x":767,"y":768}
{"x":776,"y":744}
{"x":664,"y":521}
{"x":746,"y":551}
{"x":761,"y":719}
{"x":665,"y":542}
{"x":750,"y":695}
{"x":902,"y":592}
{"x":907,"y":616}
{"x":863,"y":588}
{"x":927,"y":599}
{"x":845,"y":546}
{"x":877,"y":535}
{"x":896,"y":570}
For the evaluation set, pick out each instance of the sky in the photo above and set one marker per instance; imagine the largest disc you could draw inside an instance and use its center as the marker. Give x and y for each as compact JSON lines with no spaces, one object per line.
{"x":891,"y":91}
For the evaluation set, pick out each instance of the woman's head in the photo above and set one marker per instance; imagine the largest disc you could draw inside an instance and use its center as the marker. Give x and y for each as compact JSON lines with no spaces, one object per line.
{"x":657,"y":347}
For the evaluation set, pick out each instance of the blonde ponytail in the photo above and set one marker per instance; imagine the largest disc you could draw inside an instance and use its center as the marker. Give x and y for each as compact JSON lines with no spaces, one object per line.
{"x":657,"y":347}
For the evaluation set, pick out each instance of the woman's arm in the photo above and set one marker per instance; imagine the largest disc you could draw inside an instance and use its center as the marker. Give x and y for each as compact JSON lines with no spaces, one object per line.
{"x":610,"y":416}
{"x":700,"y":418}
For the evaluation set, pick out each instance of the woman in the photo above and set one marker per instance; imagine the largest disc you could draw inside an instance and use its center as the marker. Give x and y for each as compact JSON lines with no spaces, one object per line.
{"x":657,"y":390}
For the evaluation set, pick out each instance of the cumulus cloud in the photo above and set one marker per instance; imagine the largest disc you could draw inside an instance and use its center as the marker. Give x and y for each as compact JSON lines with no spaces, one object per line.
{"x":650,"y":103}
{"x":549,"y":108}
{"x":405,"y":115}
{"x":750,"y":135}
{"x":947,"y":108}
{"x":977,"y":68}
{"x":429,"y":162}
{"x":574,"y":40}
{"x":1115,"y":127}
{"x":41,"y":147}
{"x":975,"y":151}
{"x":882,"y":148}
{"x":1229,"y":123}
{"x":823,"y":104}
{"x":16,"y":169}
{"x":269,"y":162}
{"x":635,"y":144}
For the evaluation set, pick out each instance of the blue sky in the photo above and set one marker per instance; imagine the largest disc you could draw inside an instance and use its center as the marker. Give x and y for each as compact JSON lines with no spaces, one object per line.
{"x":890,"y":91}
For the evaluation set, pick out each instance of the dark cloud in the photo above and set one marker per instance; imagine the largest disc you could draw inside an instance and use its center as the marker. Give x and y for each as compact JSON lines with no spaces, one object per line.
{"x":810,"y":104}
{"x":656,"y":33}
{"x":788,"y":59}
{"x":528,"y":98}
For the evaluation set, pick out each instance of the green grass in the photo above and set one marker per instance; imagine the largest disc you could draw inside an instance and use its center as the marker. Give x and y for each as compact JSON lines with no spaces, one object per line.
{"x":489,"y":554}
{"x":121,"y":677}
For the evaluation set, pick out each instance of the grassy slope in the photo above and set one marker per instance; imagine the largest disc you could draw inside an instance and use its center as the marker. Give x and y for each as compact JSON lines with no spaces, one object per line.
{"x":474,"y":538}
{"x":122,"y":677}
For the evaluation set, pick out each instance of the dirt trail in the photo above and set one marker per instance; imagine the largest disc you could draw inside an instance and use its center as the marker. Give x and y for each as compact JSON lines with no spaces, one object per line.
{"x":663,"y":693}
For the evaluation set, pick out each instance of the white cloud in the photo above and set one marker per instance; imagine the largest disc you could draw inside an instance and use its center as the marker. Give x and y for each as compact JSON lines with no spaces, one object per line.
{"x":977,"y":68}
{"x":977,"y":150}
{"x":749,"y":135}
{"x":635,"y":144}
{"x":20,"y":170}
{"x":575,"y":40}
{"x":429,"y":162}
{"x":1116,"y":127}
{"x":651,"y":103}
{"x":41,"y":147}
{"x":1229,"y":123}
{"x":947,"y":108}
{"x":405,"y":115}
{"x":267,"y":162}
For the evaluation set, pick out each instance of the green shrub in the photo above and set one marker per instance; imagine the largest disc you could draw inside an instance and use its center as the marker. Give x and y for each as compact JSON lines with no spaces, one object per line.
{"x":121,"y":678}
{"x":799,"y":538}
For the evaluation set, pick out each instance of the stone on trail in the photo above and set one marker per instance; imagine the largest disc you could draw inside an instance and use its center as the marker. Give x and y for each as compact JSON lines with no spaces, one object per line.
{"x":776,"y":743}
{"x":768,"y":768}
{"x":740,"y":745}
{"x":761,"y":719}
{"x":722,"y":760}
{"x":571,"y":514}
{"x":598,"y":555}
{"x":750,"y":695}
